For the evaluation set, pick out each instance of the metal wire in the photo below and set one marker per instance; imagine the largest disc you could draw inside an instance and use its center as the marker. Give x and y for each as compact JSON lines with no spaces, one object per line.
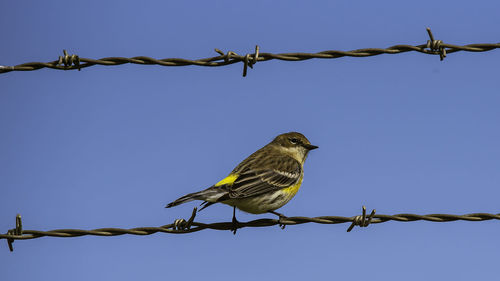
{"x":432,"y":47}
{"x":182,"y":226}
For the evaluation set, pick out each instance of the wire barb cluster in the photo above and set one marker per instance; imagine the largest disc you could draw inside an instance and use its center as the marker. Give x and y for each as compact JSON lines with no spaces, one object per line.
{"x":182,"y":226}
{"x":362,"y":221}
{"x":15,"y":232}
{"x":436,"y":45}
{"x":69,"y":61}
{"x":432,"y":47}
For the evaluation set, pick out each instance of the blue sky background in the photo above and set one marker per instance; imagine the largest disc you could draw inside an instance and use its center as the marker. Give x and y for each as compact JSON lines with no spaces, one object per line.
{"x":110,"y":146}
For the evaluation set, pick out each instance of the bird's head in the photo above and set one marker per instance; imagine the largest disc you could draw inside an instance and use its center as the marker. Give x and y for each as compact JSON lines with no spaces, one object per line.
{"x":295,"y":144}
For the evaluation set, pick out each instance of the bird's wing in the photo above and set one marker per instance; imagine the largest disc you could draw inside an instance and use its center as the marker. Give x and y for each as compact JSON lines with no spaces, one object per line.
{"x":255,"y":181}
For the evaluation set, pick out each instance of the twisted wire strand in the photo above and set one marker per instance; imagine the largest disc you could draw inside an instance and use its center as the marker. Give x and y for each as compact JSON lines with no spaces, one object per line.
{"x":432,"y":47}
{"x":183,"y":227}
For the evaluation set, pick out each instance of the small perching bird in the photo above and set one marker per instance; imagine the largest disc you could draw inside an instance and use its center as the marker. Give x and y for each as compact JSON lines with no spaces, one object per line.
{"x":263,"y":182}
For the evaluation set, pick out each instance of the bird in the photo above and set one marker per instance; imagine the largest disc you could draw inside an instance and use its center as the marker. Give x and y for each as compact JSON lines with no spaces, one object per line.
{"x":263,"y":182}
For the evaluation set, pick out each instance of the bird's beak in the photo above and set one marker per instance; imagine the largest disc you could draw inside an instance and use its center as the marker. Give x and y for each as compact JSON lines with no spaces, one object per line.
{"x":310,"y":146}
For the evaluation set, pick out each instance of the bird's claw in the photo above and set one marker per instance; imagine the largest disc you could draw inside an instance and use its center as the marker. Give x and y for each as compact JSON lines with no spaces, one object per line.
{"x":281,"y":217}
{"x":235,"y":225}
{"x":282,"y":225}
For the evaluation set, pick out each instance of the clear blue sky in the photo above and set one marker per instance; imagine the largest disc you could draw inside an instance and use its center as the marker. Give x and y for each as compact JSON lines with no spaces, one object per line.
{"x":110,"y":146}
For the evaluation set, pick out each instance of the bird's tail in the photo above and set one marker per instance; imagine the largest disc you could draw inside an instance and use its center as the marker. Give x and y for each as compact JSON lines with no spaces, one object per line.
{"x":209,"y":195}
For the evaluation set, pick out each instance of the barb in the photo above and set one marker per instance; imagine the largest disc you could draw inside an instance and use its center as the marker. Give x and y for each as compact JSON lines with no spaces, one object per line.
{"x":69,"y":61}
{"x":182,"y":224}
{"x":436,"y":45}
{"x":432,"y":47}
{"x":16,"y":231}
{"x":183,"y":227}
{"x":362,"y":221}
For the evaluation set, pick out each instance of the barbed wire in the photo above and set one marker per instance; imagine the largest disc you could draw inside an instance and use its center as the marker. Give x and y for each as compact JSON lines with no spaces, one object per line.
{"x":181,"y":226}
{"x":432,"y":47}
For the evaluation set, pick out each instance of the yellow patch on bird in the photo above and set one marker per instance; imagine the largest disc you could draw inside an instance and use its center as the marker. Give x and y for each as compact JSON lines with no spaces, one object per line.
{"x":227,"y":180}
{"x":292,"y":190}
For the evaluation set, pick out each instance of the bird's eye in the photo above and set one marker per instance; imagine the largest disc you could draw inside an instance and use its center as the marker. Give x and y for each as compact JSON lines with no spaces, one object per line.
{"x":294,"y":140}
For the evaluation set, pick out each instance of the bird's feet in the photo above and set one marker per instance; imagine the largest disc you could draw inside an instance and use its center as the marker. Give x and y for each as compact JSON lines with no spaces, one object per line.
{"x":281,"y":217}
{"x":236,"y":224}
